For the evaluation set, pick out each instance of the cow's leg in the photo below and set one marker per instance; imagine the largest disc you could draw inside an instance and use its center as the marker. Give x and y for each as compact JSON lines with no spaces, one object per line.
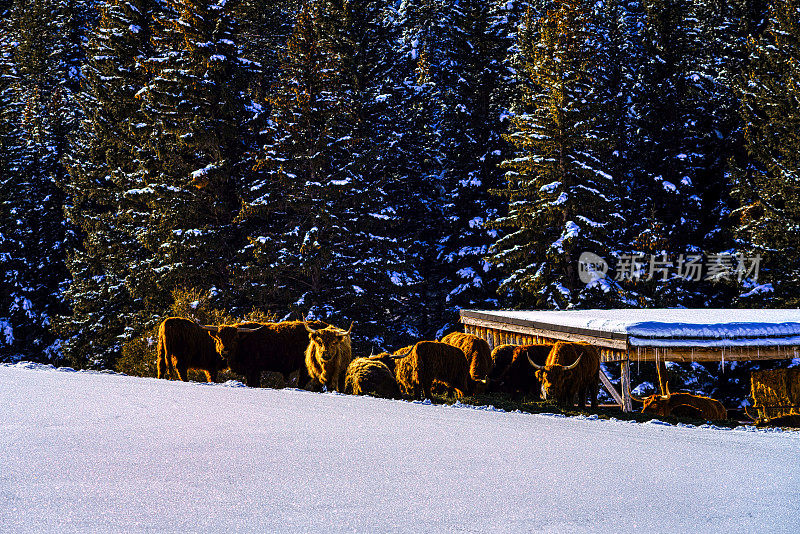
{"x":303,"y":377}
{"x":286,"y":378}
{"x":211,"y":375}
{"x":581,"y":398}
{"x":183,"y":372}
{"x":161,"y":366}
{"x":595,"y":392}
{"x":253,"y":379}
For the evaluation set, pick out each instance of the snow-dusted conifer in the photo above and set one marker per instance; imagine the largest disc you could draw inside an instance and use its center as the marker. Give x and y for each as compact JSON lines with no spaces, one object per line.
{"x":104,"y":165}
{"x":561,"y":201}
{"x":769,"y":184}
{"x":39,"y":73}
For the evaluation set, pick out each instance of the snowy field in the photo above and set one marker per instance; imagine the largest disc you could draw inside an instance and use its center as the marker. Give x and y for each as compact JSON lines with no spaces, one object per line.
{"x":89,"y":452}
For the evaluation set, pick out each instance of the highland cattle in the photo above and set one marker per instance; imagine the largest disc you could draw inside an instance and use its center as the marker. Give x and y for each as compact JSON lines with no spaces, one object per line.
{"x":514,"y":373}
{"x":370,"y":376}
{"x":684,"y":405}
{"x":389,"y":360}
{"x":252,"y":348}
{"x":429,"y":364}
{"x":328,"y":354}
{"x":571,"y":369}
{"x":182,"y":345}
{"x":478,"y":354}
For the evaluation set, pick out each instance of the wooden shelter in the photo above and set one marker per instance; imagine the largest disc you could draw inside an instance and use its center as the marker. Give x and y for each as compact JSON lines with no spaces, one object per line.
{"x":654,"y":335}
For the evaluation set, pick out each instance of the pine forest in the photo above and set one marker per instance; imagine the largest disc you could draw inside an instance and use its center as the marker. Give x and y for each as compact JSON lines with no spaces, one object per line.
{"x":387,"y":163}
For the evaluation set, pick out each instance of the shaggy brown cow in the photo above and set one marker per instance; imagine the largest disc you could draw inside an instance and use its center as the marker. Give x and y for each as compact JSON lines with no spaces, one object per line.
{"x":389,"y":360}
{"x":501,"y":356}
{"x":478,"y":354}
{"x":327,"y":356}
{"x":404,"y":351}
{"x":684,"y":405}
{"x":369,"y":376}
{"x":432,"y":362}
{"x":183,"y":345}
{"x":513,"y":372}
{"x":250,"y":349}
{"x":571,"y":369}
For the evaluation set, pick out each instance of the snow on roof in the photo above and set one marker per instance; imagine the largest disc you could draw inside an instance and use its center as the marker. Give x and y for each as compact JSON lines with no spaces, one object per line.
{"x":656,"y":327}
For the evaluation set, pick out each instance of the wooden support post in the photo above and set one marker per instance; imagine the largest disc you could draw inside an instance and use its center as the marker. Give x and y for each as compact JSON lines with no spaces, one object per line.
{"x":663,"y":379}
{"x":625,"y":371}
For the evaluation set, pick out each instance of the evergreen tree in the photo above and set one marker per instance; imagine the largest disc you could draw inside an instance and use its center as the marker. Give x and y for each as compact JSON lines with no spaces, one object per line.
{"x":318,"y":207}
{"x":768,"y":185}
{"x":451,"y":67}
{"x":560,"y":201}
{"x":39,"y":72}
{"x":193,"y":138}
{"x":104,"y":165}
{"x":684,"y":136}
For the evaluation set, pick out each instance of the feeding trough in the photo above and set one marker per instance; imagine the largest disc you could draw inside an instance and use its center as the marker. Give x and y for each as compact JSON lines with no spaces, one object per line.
{"x":651,"y":335}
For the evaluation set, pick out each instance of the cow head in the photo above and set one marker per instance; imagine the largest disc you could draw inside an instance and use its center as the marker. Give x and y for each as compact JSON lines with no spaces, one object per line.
{"x":554,"y":378}
{"x":227,"y":339}
{"x":658,"y":405}
{"x":327,"y":340}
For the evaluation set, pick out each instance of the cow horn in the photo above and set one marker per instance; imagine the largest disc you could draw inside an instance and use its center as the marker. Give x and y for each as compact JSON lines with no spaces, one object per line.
{"x":535,"y":366}
{"x":635,"y":398}
{"x":310,"y":330}
{"x":209,"y":328}
{"x":348,"y":330}
{"x":243,"y":330}
{"x":574,"y":364}
{"x":482,"y":380}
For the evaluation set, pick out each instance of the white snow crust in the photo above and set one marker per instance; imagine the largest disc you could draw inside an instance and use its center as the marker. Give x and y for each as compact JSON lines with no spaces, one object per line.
{"x":92,"y":452}
{"x":708,"y":327}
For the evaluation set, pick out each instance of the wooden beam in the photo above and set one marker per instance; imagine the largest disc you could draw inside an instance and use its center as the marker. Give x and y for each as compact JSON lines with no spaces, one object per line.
{"x":713,"y":354}
{"x":497,"y":320}
{"x":619,"y":344}
{"x":610,"y":388}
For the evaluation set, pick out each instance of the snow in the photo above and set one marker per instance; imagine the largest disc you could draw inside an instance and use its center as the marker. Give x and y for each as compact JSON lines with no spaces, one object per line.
{"x":710,"y":327}
{"x":93,"y":452}
{"x":6,"y":331}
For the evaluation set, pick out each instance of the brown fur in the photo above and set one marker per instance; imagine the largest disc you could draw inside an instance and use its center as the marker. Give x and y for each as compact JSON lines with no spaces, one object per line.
{"x":327,"y":356}
{"x":369,"y":376}
{"x":563,"y":385}
{"x":184,"y":345}
{"x":429,"y":362}
{"x":501,"y":355}
{"x":278,"y":347}
{"x":389,"y":360}
{"x":478,"y":354}
{"x":685,"y":405}
{"x":513,"y":373}
{"x":404,"y":351}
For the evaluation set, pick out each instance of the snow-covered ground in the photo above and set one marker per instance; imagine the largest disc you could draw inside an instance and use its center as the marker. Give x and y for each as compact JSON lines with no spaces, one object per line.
{"x":88,"y":452}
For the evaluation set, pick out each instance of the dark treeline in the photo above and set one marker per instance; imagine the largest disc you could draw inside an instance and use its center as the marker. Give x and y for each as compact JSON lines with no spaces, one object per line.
{"x":385,"y":162}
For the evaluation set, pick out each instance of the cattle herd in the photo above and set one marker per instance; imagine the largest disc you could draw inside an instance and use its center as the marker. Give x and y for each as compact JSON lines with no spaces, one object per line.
{"x":460,"y":364}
